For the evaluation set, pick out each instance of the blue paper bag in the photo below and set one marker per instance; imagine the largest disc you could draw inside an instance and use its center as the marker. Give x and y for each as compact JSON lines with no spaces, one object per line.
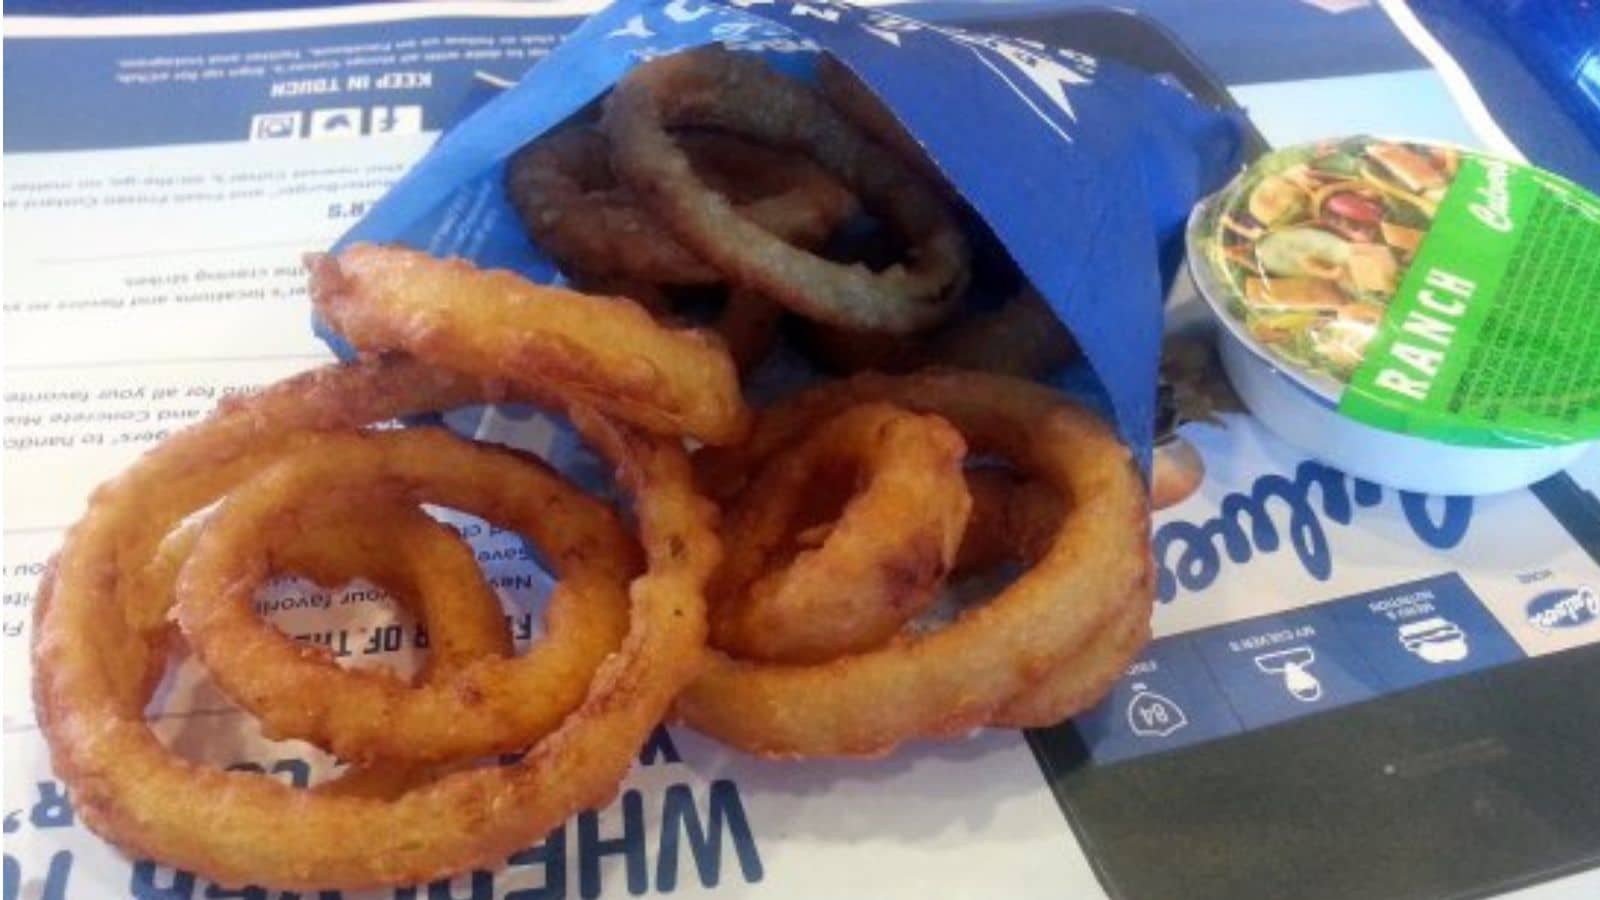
{"x":1083,"y":169}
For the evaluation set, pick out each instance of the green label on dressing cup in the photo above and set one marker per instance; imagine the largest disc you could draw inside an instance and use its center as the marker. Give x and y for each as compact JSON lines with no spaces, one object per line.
{"x":1493,"y":336}
{"x":1420,"y":288}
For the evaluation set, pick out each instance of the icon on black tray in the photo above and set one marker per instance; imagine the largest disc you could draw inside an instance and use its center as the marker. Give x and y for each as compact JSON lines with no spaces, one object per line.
{"x":1294,"y":664}
{"x":1151,"y":715}
{"x":1435,"y":640}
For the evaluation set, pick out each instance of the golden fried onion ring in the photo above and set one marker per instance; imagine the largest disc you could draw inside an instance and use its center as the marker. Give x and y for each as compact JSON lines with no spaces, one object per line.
{"x":882,"y":560}
{"x":420,"y":562}
{"x":603,"y":352}
{"x":426,"y":570}
{"x":1096,"y":572}
{"x":488,"y":706}
{"x":91,"y":664}
{"x":712,"y":88}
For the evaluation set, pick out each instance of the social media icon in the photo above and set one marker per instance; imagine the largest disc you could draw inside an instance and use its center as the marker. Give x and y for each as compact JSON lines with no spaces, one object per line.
{"x":275,"y":126}
{"x":335,"y":123}
{"x":394,"y":120}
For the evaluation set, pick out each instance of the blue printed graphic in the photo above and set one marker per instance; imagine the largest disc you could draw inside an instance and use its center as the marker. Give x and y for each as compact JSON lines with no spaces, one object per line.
{"x":1279,"y":511}
{"x":1564,"y":608}
{"x":1244,"y":675}
{"x":291,"y":84}
{"x":1282,"y":667}
{"x":1167,"y":700}
{"x":1424,"y":630}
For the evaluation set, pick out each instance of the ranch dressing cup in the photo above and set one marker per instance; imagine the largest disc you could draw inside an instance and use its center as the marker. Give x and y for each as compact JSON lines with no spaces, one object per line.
{"x":1416,"y":314}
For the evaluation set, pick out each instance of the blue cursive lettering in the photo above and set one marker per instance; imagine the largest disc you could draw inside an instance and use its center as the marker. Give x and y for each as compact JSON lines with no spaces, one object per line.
{"x":1190,"y":555}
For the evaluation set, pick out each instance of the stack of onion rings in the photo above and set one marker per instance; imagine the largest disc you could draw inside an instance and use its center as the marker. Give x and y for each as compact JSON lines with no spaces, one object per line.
{"x":596,"y":230}
{"x":101,"y":641}
{"x":708,"y":169}
{"x":849,"y":507}
{"x":1047,"y":645}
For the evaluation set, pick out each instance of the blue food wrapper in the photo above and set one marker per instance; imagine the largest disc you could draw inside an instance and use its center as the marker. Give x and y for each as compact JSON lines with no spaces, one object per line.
{"x":1083,"y":169}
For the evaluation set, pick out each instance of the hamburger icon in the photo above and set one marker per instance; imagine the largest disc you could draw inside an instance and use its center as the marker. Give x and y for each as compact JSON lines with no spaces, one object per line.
{"x":1435,"y":640}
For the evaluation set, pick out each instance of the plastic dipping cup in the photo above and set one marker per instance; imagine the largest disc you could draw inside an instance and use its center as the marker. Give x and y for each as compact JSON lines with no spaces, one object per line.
{"x":1308,"y":271}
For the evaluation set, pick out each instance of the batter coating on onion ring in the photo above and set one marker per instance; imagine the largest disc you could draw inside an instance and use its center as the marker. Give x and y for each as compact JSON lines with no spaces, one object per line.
{"x":426,"y":569}
{"x":420,"y":562}
{"x":746,"y":322}
{"x":881,"y":560}
{"x":603,"y":352}
{"x":493,"y":705}
{"x":422,"y":565}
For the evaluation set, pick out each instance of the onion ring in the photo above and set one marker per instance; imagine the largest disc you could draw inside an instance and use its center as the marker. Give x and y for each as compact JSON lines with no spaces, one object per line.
{"x":562,"y":188}
{"x":567,"y":197}
{"x":1023,"y":337}
{"x":709,"y":87}
{"x":427,"y":570}
{"x":420,"y":562}
{"x":1013,"y":521}
{"x":1080,"y":682}
{"x":487,"y":706}
{"x":747,"y":323}
{"x":195,"y":468}
{"x":959,"y":677}
{"x":559,"y":345}
{"x":228,"y":826}
{"x":881,"y":561}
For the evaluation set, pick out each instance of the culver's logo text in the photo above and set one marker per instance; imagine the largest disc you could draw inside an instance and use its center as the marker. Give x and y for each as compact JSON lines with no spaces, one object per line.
{"x":1562,"y":609}
{"x":1293,"y":511}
